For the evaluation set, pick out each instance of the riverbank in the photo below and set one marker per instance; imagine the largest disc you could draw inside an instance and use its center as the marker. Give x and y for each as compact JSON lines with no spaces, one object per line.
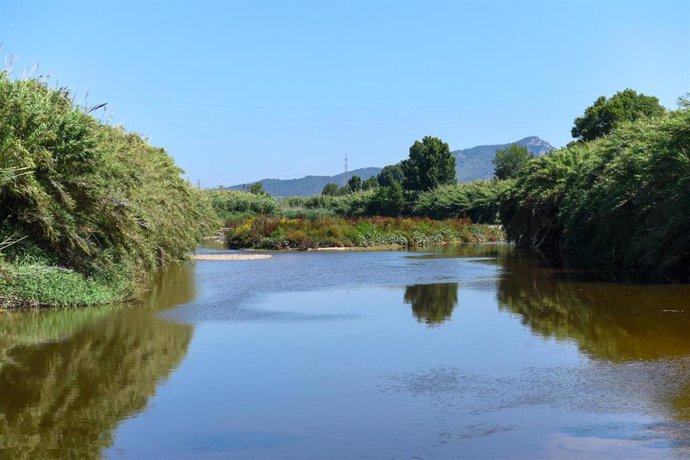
{"x":88,"y":211}
{"x":334,"y":233}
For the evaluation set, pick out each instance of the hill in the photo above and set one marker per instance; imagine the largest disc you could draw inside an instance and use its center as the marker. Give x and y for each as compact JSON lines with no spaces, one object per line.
{"x":309,"y":185}
{"x":476,"y":162}
{"x":472,"y":163}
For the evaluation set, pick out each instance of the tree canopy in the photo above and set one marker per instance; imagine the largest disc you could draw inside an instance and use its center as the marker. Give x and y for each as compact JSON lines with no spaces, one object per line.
{"x":429,"y":165}
{"x":330,"y":189}
{"x":605,"y":114}
{"x":355,"y":184}
{"x":390,"y":174}
{"x":510,"y":161}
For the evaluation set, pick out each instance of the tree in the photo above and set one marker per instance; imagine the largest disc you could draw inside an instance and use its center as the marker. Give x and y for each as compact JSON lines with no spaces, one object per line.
{"x":370,"y":183}
{"x":605,"y":114}
{"x":684,"y":101}
{"x":509,"y":161}
{"x":430,"y":164}
{"x":388,"y":201}
{"x":257,"y":188}
{"x":330,"y":189}
{"x":390,"y":174}
{"x":355,"y":184}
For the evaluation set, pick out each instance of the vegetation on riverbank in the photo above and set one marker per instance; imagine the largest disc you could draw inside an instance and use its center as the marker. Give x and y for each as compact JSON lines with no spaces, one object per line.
{"x":622,"y":200}
{"x":86,"y":209}
{"x":265,"y":232}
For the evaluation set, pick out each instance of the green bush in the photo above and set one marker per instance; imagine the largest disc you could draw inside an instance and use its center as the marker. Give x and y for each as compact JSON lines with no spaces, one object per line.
{"x":86,"y":196}
{"x":622,"y":200}
{"x":479,"y":200}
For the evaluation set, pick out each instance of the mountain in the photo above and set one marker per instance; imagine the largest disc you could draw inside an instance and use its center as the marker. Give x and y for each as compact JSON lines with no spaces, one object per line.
{"x":476,"y":162}
{"x":470,"y":164}
{"x":309,"y":185}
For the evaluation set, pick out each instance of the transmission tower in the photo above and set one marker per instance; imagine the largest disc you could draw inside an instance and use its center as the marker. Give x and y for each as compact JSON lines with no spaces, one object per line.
{"x":345,"y":169}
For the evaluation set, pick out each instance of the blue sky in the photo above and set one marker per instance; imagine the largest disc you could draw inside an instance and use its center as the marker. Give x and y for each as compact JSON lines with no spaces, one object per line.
{"x":239,"y":91}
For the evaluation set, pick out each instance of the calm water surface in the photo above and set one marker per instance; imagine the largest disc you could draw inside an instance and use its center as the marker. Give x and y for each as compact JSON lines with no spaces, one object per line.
{"x":467,"y":352}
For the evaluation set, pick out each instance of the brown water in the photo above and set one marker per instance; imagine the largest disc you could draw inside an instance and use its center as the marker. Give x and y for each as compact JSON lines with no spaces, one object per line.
{"x":468,"y":352}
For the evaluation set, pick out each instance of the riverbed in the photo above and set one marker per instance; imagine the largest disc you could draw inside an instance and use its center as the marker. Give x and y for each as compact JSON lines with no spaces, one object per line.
{"x":478,"y":351}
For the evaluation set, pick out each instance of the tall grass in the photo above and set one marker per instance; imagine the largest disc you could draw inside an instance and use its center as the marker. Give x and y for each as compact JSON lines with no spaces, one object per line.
{"x":622,"y":200}
{"x":479,"y":200}
{"x":85,"y":196}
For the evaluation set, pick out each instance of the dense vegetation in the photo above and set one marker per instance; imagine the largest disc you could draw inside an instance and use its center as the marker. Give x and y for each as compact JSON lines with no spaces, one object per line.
{"x":86,"y":209}
{"x":265,"y":232}
{"x":622,"y":200}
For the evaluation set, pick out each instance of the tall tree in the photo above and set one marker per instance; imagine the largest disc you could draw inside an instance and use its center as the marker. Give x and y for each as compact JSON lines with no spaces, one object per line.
{"x":257,"y":188}
{"x":355,"y":183}
{"x":390,"y":174}
{"x":370,"y":183}
{"x":330,"y":189}
{"x":684,"y":101}
{"x":509,"y":161}
{"x":605,"y":114}
{"x":430,"y":164}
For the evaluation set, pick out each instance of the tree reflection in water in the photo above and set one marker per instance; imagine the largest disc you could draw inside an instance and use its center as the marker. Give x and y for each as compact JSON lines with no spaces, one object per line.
{"x":432,"y":304}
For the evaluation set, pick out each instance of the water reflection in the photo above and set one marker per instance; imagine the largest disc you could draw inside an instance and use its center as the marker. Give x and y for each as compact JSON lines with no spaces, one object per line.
{"x":613,"y":321}
{"x":619,"y":323}
{"x":432,"y":304}
{"x":68,"y":377}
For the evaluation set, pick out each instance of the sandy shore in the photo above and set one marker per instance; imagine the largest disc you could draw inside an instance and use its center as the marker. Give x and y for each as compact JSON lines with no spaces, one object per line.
{"x":229,"y":256}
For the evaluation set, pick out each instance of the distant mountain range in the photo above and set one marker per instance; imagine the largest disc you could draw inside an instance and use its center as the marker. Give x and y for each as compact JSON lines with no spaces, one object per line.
{"x":473,"y":163}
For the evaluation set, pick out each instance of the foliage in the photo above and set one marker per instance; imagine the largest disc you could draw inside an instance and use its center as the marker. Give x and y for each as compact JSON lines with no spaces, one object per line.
{"x":606,"y":114}
{"x":510,"y":161}
{"x":95,"y":199}
{"x":388,"y":201}
{"x":330,"y":189}
{"x":390,"y":174}
{"x":264,"y":232}
{"x":429,"y":165}
{"x":684,"y":101}
{"x":622,"y":200}
{"x":370,"y":184}
{"x":257,"y":188}
{"x":227,"y":203}
{"x":479,"y":200}
{"x":354,"y":184}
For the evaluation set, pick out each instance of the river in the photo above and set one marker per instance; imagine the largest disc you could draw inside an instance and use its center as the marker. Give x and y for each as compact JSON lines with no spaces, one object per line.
{"x":477,"y":351}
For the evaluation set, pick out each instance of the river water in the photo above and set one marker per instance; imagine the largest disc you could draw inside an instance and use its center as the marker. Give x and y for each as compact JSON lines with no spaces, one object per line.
{"x":464,"y":352}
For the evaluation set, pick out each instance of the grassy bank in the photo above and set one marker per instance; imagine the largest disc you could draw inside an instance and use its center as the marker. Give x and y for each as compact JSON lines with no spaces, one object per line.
{"x":266,"y":232}
{"x":87,"y":210}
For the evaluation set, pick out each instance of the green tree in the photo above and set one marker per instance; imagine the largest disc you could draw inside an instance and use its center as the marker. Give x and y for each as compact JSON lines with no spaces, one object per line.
{"x":257,"y":188}
{"x":684,"y":101}
{"x":390,"y":174}
{"x":430,"y":164}
{"x":605,"y":114}
{"x":370,"y":183}
{"x":388,"y":201}
{"x":355,"y":183}
{"x":509,"y":161}
{"x":330,"y":189}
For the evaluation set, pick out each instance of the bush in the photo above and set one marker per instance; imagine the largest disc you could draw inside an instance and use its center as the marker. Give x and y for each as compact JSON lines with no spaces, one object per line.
{"x":90,"y":197}
{"x":622,"y":200}
{"x":479,"y":200}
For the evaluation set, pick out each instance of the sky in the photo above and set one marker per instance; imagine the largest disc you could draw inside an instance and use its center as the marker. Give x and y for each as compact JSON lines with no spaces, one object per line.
{"x":238,"y":91}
